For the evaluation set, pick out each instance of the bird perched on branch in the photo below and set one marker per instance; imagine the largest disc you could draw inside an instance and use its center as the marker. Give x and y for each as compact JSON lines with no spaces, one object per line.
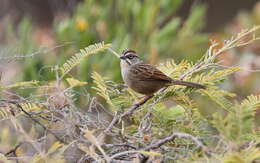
{"x":146,"y":78}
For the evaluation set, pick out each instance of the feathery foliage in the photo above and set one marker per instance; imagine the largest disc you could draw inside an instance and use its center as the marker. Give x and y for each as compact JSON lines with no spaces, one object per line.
{"x":25,"y":84}
{"x":76,"y":59}
{"x":102,"y":88}
{"x":75,"y":83}
{"x":239,"y":125}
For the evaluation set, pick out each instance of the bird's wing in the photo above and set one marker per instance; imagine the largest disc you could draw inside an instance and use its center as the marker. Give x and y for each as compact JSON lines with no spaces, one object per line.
{"x":148,"y":72}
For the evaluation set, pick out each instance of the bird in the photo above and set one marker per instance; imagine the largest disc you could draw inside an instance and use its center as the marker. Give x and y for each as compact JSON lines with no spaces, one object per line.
{"x":145,"y":78}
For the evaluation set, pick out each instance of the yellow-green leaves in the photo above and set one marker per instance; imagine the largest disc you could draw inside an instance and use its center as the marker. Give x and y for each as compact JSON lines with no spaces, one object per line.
{"x":101,"y":88}
{"x":25,"y":84}
{"x":74,"y":82}
{"x":89,"y":135}
{"x":78,"y":57}
{"x":169,"y":113}
{"x":238,"y":125}
{"x":53,"y":154}
{"x":248,"y":155}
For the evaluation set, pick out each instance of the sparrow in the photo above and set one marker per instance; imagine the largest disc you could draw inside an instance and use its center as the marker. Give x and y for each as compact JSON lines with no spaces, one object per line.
{"x":145,"y":78}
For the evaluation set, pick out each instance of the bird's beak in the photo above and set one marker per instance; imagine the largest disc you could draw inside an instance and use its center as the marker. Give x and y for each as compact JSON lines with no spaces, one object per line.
{"x":122,"y":57}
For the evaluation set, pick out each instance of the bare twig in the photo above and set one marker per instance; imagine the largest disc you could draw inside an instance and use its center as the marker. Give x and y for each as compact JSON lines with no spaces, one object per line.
{"x":128,"y":145}
{"x":127,"y":113}
{"x":41,"y":51}
{"x":173,"y":136}
{"x":115,"y":53}
{"x":124,"y":153}
{"x":14,"y":149}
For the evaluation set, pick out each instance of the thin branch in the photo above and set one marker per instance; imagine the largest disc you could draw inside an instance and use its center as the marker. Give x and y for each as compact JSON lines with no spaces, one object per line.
{"x":127,"y":145}
{"x":241,"y":68}
{"x":124,"y":153}
{"x":115,"y":53}
{"x":41,"y":51}
{"x":127,"y":113}
{"x":14,"y":149}
{"x":208,"y":59}
{"x":161,"y":142}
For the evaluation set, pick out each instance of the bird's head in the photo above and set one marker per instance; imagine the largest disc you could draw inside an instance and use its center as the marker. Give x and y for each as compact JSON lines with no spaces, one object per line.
{"x":130,"y":57}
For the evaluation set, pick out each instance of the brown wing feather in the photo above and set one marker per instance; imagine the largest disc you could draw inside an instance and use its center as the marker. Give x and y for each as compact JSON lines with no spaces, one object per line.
{"x":149,"y":72}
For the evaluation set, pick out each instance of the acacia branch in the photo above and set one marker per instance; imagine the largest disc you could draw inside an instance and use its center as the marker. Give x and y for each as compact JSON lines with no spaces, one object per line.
{"x":208,"y":60}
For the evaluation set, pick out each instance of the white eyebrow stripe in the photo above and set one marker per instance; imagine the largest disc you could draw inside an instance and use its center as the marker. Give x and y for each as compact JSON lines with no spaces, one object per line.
{"x":128,"y":53}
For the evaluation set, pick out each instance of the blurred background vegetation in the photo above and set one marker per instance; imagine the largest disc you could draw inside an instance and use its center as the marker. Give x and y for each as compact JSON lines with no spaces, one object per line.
{"x":36,"y":34}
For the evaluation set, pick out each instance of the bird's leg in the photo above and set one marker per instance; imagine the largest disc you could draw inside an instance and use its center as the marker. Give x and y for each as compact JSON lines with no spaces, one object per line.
{"x":143,"y":100}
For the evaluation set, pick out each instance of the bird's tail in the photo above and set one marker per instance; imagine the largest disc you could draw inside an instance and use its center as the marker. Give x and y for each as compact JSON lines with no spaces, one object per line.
{"x":188,"y":84}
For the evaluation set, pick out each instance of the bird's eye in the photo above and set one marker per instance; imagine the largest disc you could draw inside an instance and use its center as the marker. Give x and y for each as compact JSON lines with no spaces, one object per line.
{"x":130,"y":57}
